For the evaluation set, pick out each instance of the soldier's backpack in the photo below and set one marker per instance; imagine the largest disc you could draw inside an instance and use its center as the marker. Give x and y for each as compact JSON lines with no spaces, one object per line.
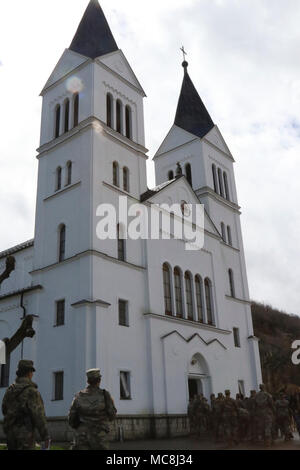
{"x":16,"y":414}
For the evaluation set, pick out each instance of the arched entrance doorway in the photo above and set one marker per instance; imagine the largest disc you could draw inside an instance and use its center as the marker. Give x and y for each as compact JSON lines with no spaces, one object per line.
{"x":198,"y":377}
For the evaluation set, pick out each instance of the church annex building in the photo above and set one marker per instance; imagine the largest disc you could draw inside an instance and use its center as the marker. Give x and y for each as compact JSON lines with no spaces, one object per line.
{"x":162,"y":323}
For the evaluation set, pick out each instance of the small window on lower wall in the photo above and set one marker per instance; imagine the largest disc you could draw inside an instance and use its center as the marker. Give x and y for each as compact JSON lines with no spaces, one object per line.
{"x":236,"y":337}
{"x":125,"y":392}
{"x":123,"y":313}
{"x":58,"y":386}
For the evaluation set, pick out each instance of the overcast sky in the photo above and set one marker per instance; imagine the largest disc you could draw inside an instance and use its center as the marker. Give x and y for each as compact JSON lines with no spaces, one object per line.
{"x":245,"y":62}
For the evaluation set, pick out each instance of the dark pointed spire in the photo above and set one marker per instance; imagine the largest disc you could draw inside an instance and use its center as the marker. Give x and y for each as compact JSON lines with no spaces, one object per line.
{"x":93,"y":37}
{"x":191,"y":114}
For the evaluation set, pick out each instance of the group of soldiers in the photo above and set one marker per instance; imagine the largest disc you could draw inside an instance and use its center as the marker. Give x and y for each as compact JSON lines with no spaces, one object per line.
{"x":257,"y":418}
{"x":23,"y":409}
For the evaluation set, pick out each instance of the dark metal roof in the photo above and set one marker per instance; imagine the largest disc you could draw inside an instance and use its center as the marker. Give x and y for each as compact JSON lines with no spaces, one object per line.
{"x":93,"y":37}
{"x":151,"y":192}
{"x":191,"y":114}
{"x":15,"y":249}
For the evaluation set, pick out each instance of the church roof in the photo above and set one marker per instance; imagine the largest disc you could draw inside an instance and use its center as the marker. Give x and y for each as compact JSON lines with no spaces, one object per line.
{"x":93,"y":37}
{"x":15,"y":249}
{"x":157,"y":189}
{"x":191,"y":114}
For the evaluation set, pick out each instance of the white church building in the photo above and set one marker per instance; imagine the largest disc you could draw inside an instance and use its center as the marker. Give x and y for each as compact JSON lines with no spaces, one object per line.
{"x":161,"y":322}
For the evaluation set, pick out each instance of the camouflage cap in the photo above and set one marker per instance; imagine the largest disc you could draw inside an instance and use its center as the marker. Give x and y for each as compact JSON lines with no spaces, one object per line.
{"x":227,"y":392}
{"x":93,"y":374}
{"x":220,"y":395}
{"x":26,"y":365}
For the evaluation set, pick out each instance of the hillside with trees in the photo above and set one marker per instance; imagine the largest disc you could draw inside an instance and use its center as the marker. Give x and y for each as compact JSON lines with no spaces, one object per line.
{"x":277,"y":330}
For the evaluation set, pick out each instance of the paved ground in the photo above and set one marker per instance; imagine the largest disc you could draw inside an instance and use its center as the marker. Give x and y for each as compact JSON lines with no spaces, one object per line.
{"x":191,"y":443}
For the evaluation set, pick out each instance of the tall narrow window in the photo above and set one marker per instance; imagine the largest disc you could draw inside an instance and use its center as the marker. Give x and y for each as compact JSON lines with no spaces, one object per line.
{"x":199,"y":300}
{"x":4,"y":373}
{"x":229,"y":237}
{"x":189,"y":296}
{"x":62,"y":243}
{"x":220,"y":182}
{"x":60,"y":313}
{"x":167,"y":289}
{"x":121,"y":244}
{"x":115,"y":174}
{"x":236,"y":337}
{"x":58,"y":178}
{"x":126,"y":179}
{"x":58,"y":386}
{"x":109,"y":110}
{"x":75,"y":110}
{"x":67,"y":115}
{"x":119,"y":109}
{"x":223,"y":231}
{"x":69,"y":173}
{"x":214,"y":172}
{"x":57,"y":121}
{"x":170,"y":175}
{"x":128,"y":114}
{"x":178,"y":292}
{"x":125,"y":392}
{"x":231,"y":282}
{"x":188,"y":172}
{"x":226,"y":187}
{"x":209,"y":303}
{"x":123,"y":313}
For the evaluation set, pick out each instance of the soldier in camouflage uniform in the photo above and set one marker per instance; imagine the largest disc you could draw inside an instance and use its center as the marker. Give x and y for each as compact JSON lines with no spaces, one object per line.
{"x":251,"y":407}
{"x":283,"y":416}
{"x":23,"y":411}
{"x":265,"y":414}
{"x":243,"y":418}
{"x":218,"y":416}
{"x":90,"y":413}
{"x":230,"y":418}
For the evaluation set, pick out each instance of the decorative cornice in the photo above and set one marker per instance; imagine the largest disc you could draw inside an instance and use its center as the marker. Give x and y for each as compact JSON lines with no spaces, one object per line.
{"x":196,"y":335}
{"x":183,"y":321}
{"x":206,"y":190}
{"x":65,"y":189}
{"x":21,"y":291}
{"x":235,"y":299}
{"x":95,"y":123}
{"x":80,"y":303}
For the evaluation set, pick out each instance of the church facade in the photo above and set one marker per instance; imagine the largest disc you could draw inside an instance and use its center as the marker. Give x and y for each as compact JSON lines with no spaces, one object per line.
{"x":162,"y":323}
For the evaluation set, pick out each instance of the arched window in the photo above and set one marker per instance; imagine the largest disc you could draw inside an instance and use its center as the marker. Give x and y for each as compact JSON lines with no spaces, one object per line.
{"x":229,"y":237}
{"x":126,"y":179}
{"x":57,"y":121}
{"x":226,"y":187}
{"x":214,"y":172}
{"x":199,"y":299}
{"x":128,"y":116}
{"x":223,"y":231}
{"x":171,"y":175}
{"x":115,"y":174}
{"x":58,"y":178}
{"x":75,"y":110}
{"x":220,"y":182}
{"x":167,"y":289}
{"x":178,"y":292}
{"x":121,"y":244}
{"x":69,"y":173}
{"x":231,"y":282}
{"x":189,"y":296}
{"x":119,"y":108}
{"x":62,"y":243}
{"x":109,"y":110}
{"x":67,"y":115}
{"x":188,"y":172}
{"x":209,"y":302}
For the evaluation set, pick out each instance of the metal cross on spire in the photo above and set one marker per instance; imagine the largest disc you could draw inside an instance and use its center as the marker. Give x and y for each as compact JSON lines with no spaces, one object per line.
{"x":183,"y":52}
